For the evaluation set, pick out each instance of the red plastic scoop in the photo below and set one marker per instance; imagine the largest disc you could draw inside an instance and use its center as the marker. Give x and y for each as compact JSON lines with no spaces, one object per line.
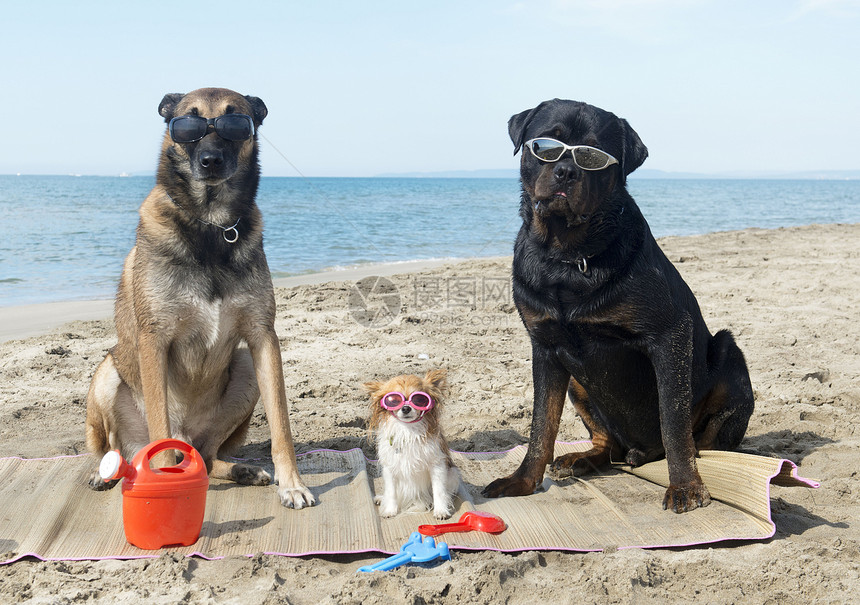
{"x":473,"y":520}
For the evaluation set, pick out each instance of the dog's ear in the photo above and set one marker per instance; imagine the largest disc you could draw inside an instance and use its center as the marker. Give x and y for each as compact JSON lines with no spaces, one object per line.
{"x":371,"y":387}
{"x":635,"y":151}
{"x":518,"y":123}
{"x":438,"y":379}
{"x":168,"y":105}
{"x":259,"y":109}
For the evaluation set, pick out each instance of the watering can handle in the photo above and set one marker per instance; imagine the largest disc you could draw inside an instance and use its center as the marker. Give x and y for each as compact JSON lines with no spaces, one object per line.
{"x":192,"y":462}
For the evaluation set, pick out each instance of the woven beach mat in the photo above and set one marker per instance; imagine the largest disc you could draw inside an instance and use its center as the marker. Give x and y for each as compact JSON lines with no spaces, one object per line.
{"x":48,"y":511}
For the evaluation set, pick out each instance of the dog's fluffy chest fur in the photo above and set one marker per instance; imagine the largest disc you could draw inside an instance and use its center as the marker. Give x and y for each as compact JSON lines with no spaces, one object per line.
{"x":407,"y":449}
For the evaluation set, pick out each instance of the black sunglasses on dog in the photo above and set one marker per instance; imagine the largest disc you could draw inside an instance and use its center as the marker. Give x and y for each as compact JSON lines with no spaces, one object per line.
{"x":587,"y":158}
{"x":231,"y":126}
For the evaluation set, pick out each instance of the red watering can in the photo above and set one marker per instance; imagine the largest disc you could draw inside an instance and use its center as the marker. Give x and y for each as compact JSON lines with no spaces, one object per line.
{"x":160,"y":507}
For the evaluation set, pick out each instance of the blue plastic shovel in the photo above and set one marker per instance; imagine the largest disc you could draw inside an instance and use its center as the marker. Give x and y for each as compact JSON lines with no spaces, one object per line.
{"x":415,"y":550}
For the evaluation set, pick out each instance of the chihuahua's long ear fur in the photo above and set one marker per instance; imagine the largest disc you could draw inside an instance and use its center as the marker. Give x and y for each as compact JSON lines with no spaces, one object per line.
{"x":371,"y":387}
{"x":438,"y":379}
{"x":376,"y":413}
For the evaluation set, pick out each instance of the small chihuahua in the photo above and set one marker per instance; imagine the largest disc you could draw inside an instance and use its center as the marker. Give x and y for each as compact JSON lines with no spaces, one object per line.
{"x":417,"y":470}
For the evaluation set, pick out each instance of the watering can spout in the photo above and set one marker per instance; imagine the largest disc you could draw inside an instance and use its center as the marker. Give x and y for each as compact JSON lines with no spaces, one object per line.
{"x":113,"y":466}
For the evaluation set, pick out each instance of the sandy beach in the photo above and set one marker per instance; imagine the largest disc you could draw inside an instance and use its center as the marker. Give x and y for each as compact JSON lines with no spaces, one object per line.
{"x":790,"y":296}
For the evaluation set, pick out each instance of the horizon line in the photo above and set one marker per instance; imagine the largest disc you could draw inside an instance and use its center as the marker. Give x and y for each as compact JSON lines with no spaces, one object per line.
{"x":511,"y":173}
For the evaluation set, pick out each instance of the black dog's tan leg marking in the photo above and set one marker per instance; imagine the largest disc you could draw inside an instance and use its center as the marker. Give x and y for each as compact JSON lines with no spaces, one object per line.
{"x":550,"y":387}
{"x":602,"y":444}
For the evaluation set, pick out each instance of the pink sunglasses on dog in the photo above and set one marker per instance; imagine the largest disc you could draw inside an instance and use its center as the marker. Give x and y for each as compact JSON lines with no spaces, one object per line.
{"x":395,"y":400}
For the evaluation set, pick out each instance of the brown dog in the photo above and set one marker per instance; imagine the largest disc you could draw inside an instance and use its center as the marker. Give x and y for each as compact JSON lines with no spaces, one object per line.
{"x":195,"y":290}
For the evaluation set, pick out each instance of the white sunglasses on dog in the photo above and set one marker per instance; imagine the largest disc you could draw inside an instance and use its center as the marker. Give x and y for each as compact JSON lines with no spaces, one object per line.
{"x":587,"y":158}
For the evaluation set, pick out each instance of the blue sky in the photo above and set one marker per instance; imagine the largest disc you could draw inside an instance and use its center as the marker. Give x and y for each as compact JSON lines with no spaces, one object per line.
{"x":366,"y":87}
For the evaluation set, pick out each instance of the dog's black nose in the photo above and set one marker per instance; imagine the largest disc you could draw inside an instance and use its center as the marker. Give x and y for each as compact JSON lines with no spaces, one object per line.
{"x":406,"y":410}
{"x":564,"y":171}
{"x":211,"y":158}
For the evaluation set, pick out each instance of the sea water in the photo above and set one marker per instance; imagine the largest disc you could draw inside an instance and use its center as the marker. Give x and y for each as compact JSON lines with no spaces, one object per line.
{"x":65,"y":237}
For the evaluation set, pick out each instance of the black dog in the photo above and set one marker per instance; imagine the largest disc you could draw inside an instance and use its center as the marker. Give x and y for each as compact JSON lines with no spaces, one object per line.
{"x":610,"y":319}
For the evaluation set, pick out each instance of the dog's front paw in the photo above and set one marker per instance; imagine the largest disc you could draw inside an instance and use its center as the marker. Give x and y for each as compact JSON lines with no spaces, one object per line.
{"x":297,"y":496}
{"x":684,"y":498}
{"x":444,"y":510}
{"x":292,"y":491}
{"x":387,"y":509}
